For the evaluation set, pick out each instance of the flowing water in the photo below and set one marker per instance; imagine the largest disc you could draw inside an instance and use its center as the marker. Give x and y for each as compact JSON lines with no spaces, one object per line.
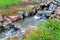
{"x":25,"y":23}
{"x":22,"y":23}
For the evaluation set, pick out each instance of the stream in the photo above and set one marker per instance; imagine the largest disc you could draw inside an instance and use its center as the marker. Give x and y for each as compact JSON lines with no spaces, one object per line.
{"x":18,"y":26}
{"x":27,"y":21}
{"x":22,"y":23}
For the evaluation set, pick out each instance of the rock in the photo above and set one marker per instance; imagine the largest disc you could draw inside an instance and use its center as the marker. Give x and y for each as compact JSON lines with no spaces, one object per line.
{"x":5,"y":23}
{"x":58,"y":2}
{"x":34,"y":10}
{"x":26,"y":13}
{"x":14,"y":18}
{"x":58,"y":17}
{"x":43,"y":1}
{"x":57,"y":12}
{"x":7,"y":18}
{"x":26,"y":0}
{"x":11,"y":18}
{"x":52,"y":6}
{"x":43,"y":11}
{"x":1,"y":25}
{"x":20,"y":14}
{"x":48,"y":15}
{"x":38,"y":7}
{"x":39,"y":16}
{"x":1,"y":17}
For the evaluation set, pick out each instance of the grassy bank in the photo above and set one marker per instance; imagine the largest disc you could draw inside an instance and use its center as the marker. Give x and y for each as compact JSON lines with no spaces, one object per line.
{"x":5,"y":3}
{"x":13,"y":11}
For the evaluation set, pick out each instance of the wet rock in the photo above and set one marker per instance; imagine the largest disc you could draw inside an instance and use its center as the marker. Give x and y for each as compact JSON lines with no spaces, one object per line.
{"x":26,"y":13}
{"x":12,"y":32}
{"x":36,"y":1}
{"x":35,"y":9}
{"x":7,"y":24}
{"x":38,"y":7}
{"x":58,"y":17}
{"x":47,"y":15}
{"x":52,"y":6}
{"x":26,"y":0}
{"x":43,"y":7}
{"x":20,"y":14}
{"x":7,"y":18}
{"x":38,"y":16}
{"x":43,"y":1}
{"x":44,"y":12}
{"x":58,"y":1}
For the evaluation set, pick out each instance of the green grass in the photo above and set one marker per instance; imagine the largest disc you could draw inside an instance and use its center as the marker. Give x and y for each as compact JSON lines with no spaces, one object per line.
{"x":4,"y":3}
{"x":49,"y":30}
{"x":22,"y":8}
{"x":9,"y":12}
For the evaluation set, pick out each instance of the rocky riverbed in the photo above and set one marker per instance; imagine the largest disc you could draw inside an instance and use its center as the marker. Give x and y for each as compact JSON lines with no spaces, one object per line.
{"x":18,"y":27}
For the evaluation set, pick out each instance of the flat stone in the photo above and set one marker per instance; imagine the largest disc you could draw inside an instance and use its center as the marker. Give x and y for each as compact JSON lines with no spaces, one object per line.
{"x":57,"y":11}
{"x":14,"y":18}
